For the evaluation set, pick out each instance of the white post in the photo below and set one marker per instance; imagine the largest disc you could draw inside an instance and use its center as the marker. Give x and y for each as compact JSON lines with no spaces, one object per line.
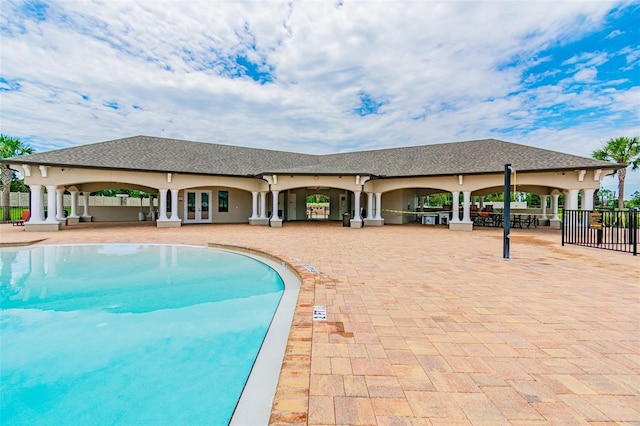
{"x":151,"y":215}
{"x":587,"y":199}
{"x":356,"y":210}
{"x":369,"y":205}
{"x":571,"y":203}
{"x":37,"y":209}
{"x":51,"y":204}
{"x":543,"y":201}
{"x":274,"y":213}
{"x":378,"y":205}
{"x":466,"y":206}
{"x":174,"y":205}
{"x":263,"y":204}
{"x":163,"y":204}
{"x":587,"y":205}
{"x":456,"y":210}
{"x":74,"y":204}
{"x":482,"y":202}
{"x":254,"y":205}
{"x":554,"y":206}
{"x":85,"y":200}
{"x":60,"y":204}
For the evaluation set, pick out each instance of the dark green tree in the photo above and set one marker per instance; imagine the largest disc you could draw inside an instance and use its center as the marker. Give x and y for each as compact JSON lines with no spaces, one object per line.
{"x":634,"y":202}
{"x":10,"y":147}
{"x":622,"y":150}
{"x":605,"y":198}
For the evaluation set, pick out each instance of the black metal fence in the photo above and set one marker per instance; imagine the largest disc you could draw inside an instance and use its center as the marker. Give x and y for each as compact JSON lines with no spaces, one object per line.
{"x":605,"y":229}
{"x":13,"y":212}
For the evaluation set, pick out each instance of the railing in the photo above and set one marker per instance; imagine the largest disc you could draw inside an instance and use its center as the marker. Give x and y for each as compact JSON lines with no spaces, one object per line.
{"x":605,"y":229}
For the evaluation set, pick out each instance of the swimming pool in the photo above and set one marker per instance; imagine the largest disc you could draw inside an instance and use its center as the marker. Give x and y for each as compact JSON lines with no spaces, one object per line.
{"x":131,"y":334}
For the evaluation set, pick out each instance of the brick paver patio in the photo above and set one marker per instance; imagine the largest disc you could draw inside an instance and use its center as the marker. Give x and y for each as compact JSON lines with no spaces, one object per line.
{"x":430,"y":326}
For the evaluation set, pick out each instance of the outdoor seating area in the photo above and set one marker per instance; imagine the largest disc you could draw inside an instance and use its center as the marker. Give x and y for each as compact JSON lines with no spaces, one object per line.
{"x":486,"y":217}
{"x":496,"y":220}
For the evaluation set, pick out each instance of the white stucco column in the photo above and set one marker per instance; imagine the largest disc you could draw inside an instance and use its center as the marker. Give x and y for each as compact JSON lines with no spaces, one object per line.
{"x":481,"y":202}
{"x":51,"y":204}
{"x":466,"y":206}
{"x":587,"y":204}
{"x":37,"y":209}
{"x":455,"y":208}
{"x":151,"y":212}
{"x":60,"y":204}
{"x":356,"y":208}
{"x":369,"y":205}
{"x":274,"y":212}
{"x":174,"y":205}
{"x":163,"y":204}
{"x":378,"y":205}
{"x":543,"y":202}
{"x":263,"y":205}
{"x":254,"y":205}
{"x":85,"y":201}
{"x":554,"y":206}
{"x":571,"y":203}
{"x":587,"y":199}
{"x":74,"y":204}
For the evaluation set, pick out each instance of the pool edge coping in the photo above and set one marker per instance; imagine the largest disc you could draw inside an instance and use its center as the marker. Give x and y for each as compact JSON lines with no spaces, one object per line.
{"x":289,"y":399}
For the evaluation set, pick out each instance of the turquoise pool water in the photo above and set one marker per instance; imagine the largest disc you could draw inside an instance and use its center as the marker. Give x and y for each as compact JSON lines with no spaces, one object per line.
{"x":129,"y":334}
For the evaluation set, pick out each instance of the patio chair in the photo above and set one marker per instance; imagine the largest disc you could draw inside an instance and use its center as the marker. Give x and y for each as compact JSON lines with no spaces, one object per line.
{"x":485,"y":218}
{"x":531,"y":220}
{"x":516,"y":222}
{"x":26,"y":214}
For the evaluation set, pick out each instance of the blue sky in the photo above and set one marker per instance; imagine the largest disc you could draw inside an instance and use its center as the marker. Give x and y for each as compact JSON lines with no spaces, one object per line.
{"x":322,"y":76}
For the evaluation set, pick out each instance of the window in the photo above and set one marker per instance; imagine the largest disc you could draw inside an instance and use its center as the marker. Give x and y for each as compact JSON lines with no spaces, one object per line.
{"x":223,"y":201}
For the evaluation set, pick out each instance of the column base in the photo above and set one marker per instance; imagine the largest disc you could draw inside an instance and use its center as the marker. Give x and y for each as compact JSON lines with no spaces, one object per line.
{"x":461,"y":226}
{"x":41,"y":226}
{"x":168,"y":223}
{"x":555,"y":223}
{"x":355,"y":223}
{"x":374,"y":222}
{"x":73,"y":220}
{"x":86,"y":218}
{"x":275,"y":223}
{"x":259,"y":222}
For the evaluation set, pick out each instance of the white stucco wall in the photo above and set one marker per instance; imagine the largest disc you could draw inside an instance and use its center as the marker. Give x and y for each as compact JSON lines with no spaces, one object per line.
{"x":239,"y":206}
{"x":398,"y":201}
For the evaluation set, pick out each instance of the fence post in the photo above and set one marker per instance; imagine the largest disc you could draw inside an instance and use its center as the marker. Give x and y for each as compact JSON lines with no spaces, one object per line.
{"x":633,"y":229}
{"x":562,"y":225}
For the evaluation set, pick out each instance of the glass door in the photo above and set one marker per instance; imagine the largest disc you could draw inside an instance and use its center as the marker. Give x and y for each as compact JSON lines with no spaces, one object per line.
{"x":205,"y":206}
{"x":197,"y":207}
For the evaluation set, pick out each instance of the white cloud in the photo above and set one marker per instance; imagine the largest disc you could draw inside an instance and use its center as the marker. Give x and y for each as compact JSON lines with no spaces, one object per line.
{"x":585,"y":75}
{"x":615,"y":33}
{"x":448,"y":70}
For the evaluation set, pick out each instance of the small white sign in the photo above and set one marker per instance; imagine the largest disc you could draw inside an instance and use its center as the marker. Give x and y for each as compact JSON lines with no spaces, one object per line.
{"x":319,"y":313}
{"x":310,"y":268}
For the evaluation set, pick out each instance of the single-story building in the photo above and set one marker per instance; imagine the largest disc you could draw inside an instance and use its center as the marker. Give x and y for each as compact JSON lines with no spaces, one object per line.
{"x":197,"y":182}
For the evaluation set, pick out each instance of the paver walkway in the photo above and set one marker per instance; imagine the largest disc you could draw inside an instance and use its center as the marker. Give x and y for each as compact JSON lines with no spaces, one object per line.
{"x":430,"y":326}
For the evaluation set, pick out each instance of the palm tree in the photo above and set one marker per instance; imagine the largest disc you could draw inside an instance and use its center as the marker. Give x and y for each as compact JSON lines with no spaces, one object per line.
{"x":9,"y":147}
{"x":622,"y":150}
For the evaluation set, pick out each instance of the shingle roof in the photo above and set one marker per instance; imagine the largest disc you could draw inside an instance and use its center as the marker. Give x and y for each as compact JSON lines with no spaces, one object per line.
{"x":172,"y":155}
{"x":470,"y":157}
